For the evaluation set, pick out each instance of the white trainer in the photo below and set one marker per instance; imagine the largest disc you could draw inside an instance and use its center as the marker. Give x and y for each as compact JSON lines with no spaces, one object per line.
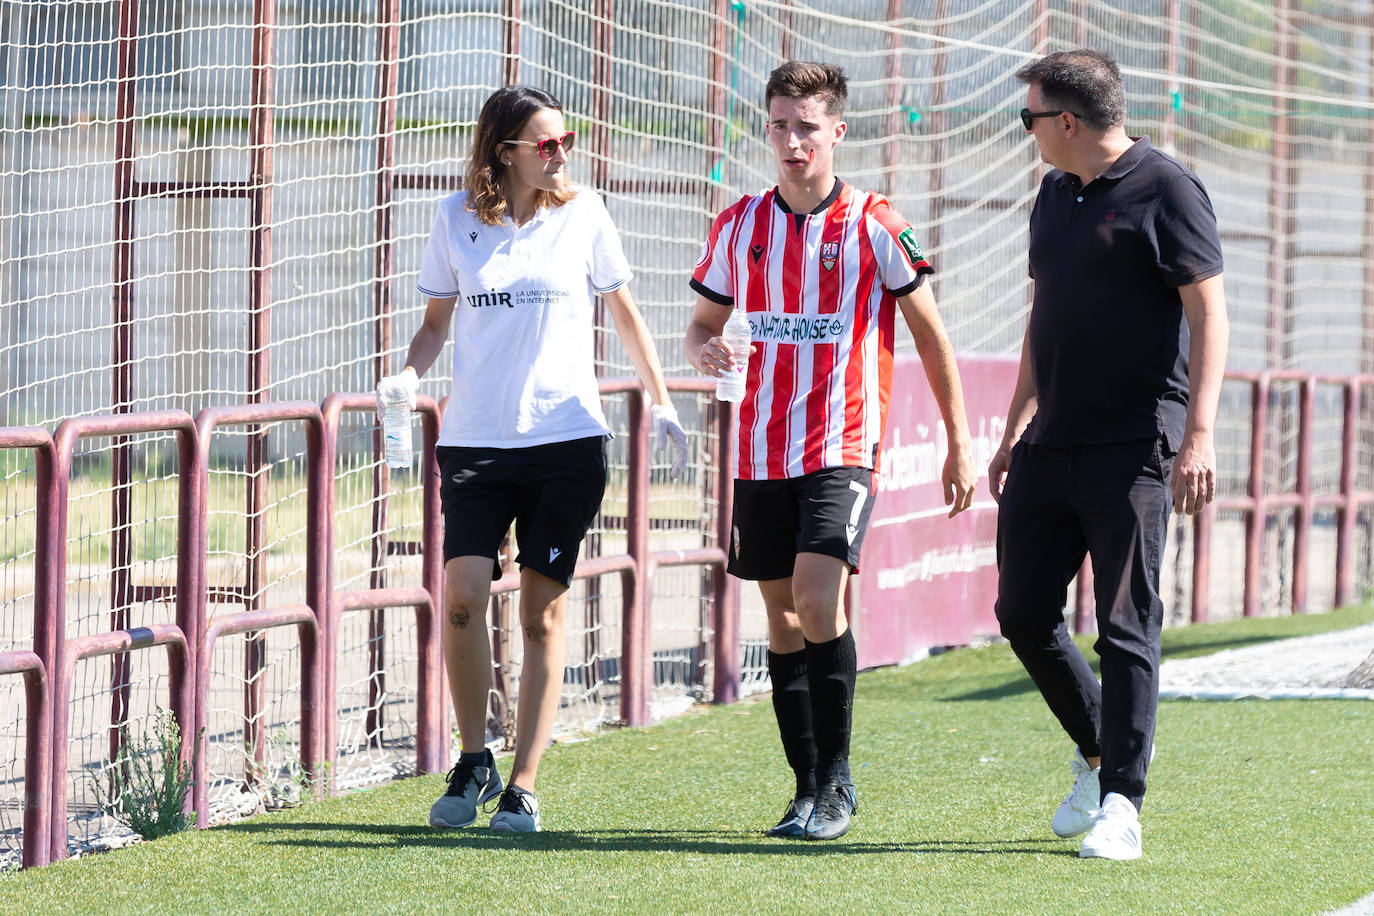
{"x":517,"y":812}
{"x":1115,"y":833}
{"x":1079,"y":808}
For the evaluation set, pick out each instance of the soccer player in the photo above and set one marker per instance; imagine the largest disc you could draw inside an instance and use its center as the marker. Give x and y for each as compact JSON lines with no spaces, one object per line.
{"x":821,"y":268}
{"x":1110,"y":422}
{"x":513,"y":264}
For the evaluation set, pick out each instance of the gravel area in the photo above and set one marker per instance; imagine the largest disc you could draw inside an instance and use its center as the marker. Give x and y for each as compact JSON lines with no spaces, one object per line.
{"x":1326,"y":665}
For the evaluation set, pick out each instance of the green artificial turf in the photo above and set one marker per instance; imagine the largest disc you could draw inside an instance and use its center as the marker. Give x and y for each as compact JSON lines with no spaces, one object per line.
{"x":1254,"y":807}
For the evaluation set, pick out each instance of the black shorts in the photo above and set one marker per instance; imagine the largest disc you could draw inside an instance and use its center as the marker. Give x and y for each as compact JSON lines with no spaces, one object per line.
{"x":552,"y":492}
{"x":823,"y":512}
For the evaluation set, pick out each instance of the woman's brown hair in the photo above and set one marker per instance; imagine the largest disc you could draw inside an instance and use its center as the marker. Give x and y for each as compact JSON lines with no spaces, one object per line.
{"x":503,"y":116}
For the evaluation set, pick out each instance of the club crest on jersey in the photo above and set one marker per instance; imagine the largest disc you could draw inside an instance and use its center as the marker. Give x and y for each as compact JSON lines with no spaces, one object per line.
{"x":830,"y":253}
{"x":907,"y":238}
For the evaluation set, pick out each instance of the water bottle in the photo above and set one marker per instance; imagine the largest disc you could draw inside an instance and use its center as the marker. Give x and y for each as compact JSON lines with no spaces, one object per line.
{"x":396,"y":435}
{"x":730,"y":385}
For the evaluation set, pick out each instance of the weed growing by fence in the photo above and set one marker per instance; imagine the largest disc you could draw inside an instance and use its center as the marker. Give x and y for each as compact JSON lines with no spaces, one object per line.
{"x":148,"y":784}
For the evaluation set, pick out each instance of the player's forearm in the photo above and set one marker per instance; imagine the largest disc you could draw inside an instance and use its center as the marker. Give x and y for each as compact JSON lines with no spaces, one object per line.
{"x":937,"y":359}
{"x":697,"y":335}
{"x":425,"y":347}
{"x":1209,"y":332}
{"x":431,"y":336}
{"x":638,"y":343}
{"x":942,"y":373}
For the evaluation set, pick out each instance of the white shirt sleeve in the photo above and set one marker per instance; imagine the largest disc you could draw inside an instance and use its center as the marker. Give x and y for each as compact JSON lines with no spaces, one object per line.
{"x":437,"y":278}
{"x":607,"y":267}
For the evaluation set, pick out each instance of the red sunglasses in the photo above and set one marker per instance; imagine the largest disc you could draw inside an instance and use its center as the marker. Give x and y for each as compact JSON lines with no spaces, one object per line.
{"x":547,"y":148}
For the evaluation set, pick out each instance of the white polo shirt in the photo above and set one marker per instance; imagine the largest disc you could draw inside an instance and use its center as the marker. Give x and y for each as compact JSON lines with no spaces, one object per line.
{"x":523,"y":371}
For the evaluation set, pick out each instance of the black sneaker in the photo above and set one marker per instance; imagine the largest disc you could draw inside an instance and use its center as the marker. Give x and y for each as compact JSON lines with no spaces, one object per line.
{"x":835,"y":803}
{"x":468,"y":786}
{"x":793,"y":823}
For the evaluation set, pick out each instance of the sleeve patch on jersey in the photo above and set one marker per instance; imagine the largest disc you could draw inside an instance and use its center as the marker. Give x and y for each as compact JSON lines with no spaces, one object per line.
{"x":907,"y":238}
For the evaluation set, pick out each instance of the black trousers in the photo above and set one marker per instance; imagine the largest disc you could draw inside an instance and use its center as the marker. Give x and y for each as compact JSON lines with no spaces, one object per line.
{"x":1111,"y":501}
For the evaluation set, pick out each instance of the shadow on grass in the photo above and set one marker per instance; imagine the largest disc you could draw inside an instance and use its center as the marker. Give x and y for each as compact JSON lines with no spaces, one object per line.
{"x":383,"y":836}
{"x":1203,"y":647}
{"x":1020,"y":684}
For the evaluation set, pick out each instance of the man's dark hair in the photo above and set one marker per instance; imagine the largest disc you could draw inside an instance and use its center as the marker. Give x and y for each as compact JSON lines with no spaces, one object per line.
{"x":1083,"y":81}
{"x":798,"y":79}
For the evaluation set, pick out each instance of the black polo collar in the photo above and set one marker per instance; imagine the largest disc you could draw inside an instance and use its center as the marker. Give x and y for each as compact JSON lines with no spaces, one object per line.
{"x":1134,"y":155}
{"x":821,"y":207}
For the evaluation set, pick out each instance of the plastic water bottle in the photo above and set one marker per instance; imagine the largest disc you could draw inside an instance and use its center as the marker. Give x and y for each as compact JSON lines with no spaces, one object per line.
{"x":730,"y":385}
{"x":396,"y":435}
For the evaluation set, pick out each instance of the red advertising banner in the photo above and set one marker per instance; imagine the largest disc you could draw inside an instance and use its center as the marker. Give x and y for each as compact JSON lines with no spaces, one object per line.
{"x":926,"y":579}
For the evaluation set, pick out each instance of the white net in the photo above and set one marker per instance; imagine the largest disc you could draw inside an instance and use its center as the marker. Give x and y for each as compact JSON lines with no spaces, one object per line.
{"x":200,"y":208}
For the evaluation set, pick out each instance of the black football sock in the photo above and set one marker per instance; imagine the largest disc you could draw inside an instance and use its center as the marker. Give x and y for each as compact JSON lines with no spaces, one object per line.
{"x":792,"y":706}
{"x":830,"y":670}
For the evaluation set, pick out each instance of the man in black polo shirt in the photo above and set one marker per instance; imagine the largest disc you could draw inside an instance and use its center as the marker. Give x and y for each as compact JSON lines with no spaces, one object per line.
{"x":1111,"y":422}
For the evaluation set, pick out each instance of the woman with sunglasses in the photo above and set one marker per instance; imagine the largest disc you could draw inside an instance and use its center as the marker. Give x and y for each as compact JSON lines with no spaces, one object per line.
{"x":513,"y":264}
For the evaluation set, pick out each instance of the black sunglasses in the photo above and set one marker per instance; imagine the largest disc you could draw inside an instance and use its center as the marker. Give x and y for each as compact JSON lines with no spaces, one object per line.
{"x":549,"y":148}
{"x":1028,"y":116}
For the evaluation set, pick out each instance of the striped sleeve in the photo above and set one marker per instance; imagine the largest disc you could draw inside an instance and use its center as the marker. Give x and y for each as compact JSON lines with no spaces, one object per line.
{"x":714,"y":275}
{"x":901,"y":265}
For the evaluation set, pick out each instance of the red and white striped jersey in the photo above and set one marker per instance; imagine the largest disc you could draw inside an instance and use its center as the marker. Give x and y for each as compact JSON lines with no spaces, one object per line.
{"x":820,"y":291}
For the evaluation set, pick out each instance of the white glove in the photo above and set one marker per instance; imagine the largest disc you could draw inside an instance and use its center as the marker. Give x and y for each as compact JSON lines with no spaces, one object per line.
{"x":397,"y":389}
{"x":668,"y":429}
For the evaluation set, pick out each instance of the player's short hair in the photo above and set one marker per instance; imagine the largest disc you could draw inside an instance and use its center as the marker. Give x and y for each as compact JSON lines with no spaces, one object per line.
{"x":798,"y":79}
{"x":1083,"y":81}
{"x":505,"y":114}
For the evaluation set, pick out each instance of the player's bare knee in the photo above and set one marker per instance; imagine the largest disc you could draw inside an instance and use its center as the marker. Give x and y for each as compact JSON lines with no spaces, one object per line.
{"x":463,"y":611}
{"x":540,"y":625}
{"x":782,"y":615}
{"x":821,"y":624}
{"x":815,"y":605}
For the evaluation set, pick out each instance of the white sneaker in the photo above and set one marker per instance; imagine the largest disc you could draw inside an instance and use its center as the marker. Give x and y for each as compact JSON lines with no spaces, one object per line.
{"x":517,"y":812}
{"x":1115,"y":833}
{"x":1079,"y":808}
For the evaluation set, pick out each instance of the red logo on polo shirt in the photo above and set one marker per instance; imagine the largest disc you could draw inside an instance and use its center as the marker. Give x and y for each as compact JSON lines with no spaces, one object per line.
{"x":1111,"y":215}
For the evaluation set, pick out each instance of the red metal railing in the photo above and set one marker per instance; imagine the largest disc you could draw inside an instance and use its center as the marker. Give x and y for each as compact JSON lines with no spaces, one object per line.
{"x":1258,"y":504}
{"x":189,"y":640}
{"x":431,"y":746}
{"x":179,"y":638}
{"x":254,"y":619}
{"x":35,"y":665}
